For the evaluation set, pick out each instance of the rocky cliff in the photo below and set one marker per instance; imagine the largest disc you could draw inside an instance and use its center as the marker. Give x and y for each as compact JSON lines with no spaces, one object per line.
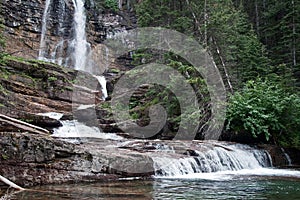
{"x":23,"y":24}
{"x":30,"y":87}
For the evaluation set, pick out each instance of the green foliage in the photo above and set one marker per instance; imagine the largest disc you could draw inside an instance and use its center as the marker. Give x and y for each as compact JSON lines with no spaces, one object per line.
{"x":52,"y":78}
{"x":277,"y":24}
{"x":111,"y":4}
{"x":169,"y":14}
{"x":2,"y":41}
{"x":265,"y":108}
{"x":267,"y":48}
{"x":239,"y":47}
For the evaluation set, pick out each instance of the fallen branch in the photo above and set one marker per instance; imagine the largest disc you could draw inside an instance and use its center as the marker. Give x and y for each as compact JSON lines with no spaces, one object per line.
{"x":23,"y":125}
{"x":11,"y":184}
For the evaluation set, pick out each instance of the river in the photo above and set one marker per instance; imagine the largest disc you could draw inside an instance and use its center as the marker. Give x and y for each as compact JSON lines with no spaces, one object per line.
{"x":242,"y":184}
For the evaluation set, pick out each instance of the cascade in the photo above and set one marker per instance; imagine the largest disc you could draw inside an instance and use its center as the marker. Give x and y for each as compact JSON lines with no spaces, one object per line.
{"x":70,"y":51}
{"x":57,"y":56}
{"x":287,"y":157}
{"x":73,"y":51}
{"x":74,"y":129}
{"x":42,"y":49}
{"x":232,"y":158}
{"x":80,"y":44}
{"x":61,"y":53}
{"x":102,"y":81}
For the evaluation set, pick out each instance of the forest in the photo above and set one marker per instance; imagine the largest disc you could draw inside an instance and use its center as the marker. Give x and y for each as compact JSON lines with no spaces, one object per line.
{"x":256,"y":46}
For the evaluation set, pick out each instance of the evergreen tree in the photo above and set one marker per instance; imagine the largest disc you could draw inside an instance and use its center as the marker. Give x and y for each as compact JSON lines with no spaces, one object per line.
{"x":278,"y":27}
{"x":218,"y":24}
{"x":233,"y":38}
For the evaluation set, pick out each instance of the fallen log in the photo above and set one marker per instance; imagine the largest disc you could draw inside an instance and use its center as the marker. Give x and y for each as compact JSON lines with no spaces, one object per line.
{"x":11,"y":184}
{"x":23,"y":125}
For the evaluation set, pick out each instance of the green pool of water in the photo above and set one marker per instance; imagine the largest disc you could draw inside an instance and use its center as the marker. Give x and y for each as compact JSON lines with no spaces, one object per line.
{"x":231,"y":187}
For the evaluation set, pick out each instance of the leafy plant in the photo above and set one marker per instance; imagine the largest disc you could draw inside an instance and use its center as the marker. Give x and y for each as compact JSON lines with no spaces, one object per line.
{"x":52,"y":78}
{"x":111,"y":4}
{"x":263,"y":107}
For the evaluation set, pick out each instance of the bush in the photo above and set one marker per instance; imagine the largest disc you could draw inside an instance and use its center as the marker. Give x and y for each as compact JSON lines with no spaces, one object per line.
{"x":263,"y":107}
{"x":111,"y":4}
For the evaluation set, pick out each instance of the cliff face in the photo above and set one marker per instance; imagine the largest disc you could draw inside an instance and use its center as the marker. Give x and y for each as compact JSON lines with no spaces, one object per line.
{"x":23,"y":22}
{"x":30,"y":87}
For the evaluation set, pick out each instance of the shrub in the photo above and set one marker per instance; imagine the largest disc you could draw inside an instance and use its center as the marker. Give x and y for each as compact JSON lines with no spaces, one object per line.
{"x":263,"y":107}
{"x":111,"y":4}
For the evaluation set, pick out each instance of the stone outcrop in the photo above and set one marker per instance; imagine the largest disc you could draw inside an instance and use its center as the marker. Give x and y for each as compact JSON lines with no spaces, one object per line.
{"x":30,"y":87}
{"x":30,"y":159}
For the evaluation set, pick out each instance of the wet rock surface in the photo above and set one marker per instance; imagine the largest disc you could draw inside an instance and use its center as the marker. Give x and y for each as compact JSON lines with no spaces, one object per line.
{"x":30,"y":159}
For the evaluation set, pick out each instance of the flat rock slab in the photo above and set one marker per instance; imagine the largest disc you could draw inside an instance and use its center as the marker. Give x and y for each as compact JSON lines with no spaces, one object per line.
{"x":29,"y":159}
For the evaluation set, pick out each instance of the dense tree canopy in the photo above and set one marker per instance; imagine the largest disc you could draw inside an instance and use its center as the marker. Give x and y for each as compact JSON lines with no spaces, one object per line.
{"x":256,"y":46}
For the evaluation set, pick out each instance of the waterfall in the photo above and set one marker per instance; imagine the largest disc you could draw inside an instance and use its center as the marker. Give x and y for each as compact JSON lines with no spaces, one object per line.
{"x":57,"y":56}
{"x":78,"y":47}
{"x":41,"y":55}
{"x":80,"y":44}
{"x":73,"y":129}
{"x":232,"y":158}
{"x":69,"y":51}
{"x":287,"y":157}
{"x":102,"y":81}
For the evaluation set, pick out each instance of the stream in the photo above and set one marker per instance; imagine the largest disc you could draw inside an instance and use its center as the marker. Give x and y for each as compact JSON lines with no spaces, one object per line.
{"x":267,"y":184}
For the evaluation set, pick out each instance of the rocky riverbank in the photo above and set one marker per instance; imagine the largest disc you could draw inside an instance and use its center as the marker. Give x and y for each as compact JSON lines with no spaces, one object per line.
{"x":30,"y":87}
{"x":30,"y":159}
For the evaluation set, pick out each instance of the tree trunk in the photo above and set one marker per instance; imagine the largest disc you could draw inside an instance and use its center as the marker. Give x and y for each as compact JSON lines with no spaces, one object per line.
{"x":11,"y":184}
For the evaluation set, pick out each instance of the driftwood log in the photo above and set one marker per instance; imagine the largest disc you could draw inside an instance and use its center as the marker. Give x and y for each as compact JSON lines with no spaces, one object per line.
{"x":23,"y":125}
{"x":11,"y":184}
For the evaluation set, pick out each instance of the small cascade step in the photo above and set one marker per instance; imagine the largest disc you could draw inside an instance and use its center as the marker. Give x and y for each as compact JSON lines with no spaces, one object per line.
{"x":212,"y":159}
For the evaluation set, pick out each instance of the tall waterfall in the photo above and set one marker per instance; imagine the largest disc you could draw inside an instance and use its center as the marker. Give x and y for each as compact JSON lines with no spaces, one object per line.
{"x":42,"y":49}
{"x":58,"y":54}
{"x":80,"y":44}
{"x":233,"y":157}
{"x":72,"y":49}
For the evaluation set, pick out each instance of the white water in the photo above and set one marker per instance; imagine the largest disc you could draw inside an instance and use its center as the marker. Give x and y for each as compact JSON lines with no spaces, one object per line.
{"x":287,"y":157}
{"x":80,"y":44}
{"x":221,"y":164}
{"x":237,"y":157}
{"x":52,"y":115}
{"x":229,"y":175}
{"x":57,"y":56}
{"x":78,"y":47}
{"x":42,"y":49}
{"x":75,"y":129}
{"x":102,"y":82}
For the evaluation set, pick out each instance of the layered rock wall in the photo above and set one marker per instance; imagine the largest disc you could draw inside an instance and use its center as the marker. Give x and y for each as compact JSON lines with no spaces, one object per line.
{"x":23,"y":24}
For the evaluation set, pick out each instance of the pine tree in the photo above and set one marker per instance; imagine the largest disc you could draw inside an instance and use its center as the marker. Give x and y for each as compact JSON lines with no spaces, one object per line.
{"x":278,"y":29}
